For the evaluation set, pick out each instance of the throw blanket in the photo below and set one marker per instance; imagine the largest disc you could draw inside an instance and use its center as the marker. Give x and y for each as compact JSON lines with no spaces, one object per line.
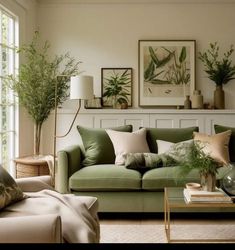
{"x":78,"y":225}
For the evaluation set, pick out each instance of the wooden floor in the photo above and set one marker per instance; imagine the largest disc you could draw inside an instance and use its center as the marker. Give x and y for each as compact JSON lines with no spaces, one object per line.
{"x":158,"y":218}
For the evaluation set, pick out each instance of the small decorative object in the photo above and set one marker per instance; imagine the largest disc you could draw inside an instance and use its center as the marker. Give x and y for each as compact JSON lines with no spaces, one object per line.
{"x":116,"y":87}
{"x":94,"y":103}
{"x":219,"y":70}
{"x":228,"y":182}
{"x":193,"y":186}
{"x":219,"y":97}
{"x":166,"y":72}
{"x":187,"y":102}
{"x":197,"y":100}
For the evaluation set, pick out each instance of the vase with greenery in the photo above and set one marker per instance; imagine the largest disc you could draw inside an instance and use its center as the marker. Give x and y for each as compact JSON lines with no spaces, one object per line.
{"x":117,"y":87}
{"x":196,"y":158}
{"x":219,"y":69}
{"x":35,"y":82}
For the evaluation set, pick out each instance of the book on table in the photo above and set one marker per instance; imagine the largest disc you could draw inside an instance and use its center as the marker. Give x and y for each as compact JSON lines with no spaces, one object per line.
{"x":217,"y":196}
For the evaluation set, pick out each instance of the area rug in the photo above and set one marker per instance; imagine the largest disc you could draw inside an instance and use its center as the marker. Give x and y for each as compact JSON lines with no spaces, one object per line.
{"x":156,"y":233}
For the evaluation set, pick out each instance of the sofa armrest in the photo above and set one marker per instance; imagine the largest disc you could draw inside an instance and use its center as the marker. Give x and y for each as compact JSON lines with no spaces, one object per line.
{"x":69,"y":161}
{"x":31,"y":229}
{"x":34,"y":183}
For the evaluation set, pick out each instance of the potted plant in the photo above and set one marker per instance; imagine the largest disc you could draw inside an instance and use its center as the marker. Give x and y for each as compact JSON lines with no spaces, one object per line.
{"x":36,"y":80}
{"x":219,"y":69}
{"x":194,"y":157}
{"x":117,"y":88}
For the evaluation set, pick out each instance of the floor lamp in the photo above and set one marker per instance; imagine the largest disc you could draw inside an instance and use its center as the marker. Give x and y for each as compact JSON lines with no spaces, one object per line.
{"x":81,"y":88}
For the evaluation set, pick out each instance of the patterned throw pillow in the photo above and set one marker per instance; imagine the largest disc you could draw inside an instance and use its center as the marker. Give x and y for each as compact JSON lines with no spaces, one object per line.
{"x":9,"y":191}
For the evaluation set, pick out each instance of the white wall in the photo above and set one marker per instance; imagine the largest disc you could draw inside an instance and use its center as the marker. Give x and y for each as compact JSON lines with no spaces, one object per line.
{"x":106,"y":35}
{"x":26,"y":12}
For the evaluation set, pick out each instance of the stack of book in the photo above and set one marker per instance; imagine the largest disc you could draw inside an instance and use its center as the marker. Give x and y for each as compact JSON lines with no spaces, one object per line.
{"x":200,"y":196}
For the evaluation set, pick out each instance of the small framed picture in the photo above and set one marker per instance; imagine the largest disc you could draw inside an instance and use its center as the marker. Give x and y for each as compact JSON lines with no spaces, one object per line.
{"x":116,"y":87}
{"x":94,"y":103}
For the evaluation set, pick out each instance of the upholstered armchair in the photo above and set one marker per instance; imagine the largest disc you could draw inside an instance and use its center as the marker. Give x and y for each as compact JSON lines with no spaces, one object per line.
{"x":21,"y":227}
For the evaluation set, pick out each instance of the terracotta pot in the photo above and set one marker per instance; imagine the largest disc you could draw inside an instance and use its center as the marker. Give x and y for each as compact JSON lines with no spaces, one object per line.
{"x":219,"y":97}
{"x":124,"y":105}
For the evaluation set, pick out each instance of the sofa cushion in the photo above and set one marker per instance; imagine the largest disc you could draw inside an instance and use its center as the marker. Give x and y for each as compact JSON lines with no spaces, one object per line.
{"x":158,"y":178}
{"x":220,"y":129}
{"x":10,"y":192}
{"x":97,"y":144}
{"x":168,"y":134}
{"x":105,"y":177}
{"x":215,"y":145}
{"x":124,"y":142}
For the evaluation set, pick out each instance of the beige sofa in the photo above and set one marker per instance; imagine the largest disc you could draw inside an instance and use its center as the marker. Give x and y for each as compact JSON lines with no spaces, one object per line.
{"x":18,"y":227}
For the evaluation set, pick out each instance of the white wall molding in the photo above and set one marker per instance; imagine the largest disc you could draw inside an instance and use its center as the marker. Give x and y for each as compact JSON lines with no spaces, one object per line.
{"x":154,"y":118}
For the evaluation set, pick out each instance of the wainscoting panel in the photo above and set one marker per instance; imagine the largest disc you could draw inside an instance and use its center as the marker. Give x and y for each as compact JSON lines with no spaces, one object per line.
{"x":155,"y":118}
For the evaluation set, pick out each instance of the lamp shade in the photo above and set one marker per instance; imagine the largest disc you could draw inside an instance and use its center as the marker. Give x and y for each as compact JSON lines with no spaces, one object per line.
{"x":81,"y":87}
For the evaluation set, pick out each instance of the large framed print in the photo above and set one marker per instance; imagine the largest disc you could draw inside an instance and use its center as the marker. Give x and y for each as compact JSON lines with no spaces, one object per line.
{"x":166,"y":72}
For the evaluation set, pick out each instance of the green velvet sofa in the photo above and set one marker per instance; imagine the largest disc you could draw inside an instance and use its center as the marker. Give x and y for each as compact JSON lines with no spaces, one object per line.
{"x":89,"y":169}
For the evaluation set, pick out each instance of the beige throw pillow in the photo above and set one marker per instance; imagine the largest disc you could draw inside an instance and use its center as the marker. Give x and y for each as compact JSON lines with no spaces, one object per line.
{"x":216,"y":145}
{"x":124,"y":143}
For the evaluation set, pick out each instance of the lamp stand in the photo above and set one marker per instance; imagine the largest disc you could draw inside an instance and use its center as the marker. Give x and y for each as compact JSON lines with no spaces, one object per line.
{"x":60,"y":136}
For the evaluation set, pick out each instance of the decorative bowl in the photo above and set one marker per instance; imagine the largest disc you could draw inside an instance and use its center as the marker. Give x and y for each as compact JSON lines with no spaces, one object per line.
{"x":193,"y":186}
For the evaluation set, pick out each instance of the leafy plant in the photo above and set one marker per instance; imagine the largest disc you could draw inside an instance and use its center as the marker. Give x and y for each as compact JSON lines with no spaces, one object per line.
{"x":36,"y":80}
{"x":219,"y":70}
{"x":117,"y":86}
{"x":196,"y":158}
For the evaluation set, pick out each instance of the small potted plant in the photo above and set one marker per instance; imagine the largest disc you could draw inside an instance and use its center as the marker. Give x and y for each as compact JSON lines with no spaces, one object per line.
{"x":196,"y":158}
{"x":219,"y":69}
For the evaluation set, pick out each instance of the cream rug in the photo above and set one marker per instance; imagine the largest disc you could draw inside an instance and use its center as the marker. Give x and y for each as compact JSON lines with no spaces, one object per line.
{"x":156,"y":233}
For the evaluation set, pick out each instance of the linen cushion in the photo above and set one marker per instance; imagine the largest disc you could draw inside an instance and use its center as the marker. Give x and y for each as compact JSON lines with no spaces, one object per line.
{"x":220,"y":129}
{"x":9,"y":190}
{"x":97,"y":145}
{"x":168,"y":134}
{"x":124,"y":142}
{"x":215,"y":145}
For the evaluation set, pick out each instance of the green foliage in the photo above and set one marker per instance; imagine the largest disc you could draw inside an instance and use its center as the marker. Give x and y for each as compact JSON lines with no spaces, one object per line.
{"x":117,"y":86}
{"x":196,"y":158}
{"x":219,"y":70}
{"x":35,"y":83}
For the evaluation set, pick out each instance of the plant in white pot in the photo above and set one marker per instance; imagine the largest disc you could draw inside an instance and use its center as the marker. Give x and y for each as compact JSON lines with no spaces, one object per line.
{"x":219,"y":69}
{"x":36,"y":80}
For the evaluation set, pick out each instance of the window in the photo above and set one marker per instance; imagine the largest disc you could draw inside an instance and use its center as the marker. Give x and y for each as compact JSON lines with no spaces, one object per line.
{"x":8,"y":108}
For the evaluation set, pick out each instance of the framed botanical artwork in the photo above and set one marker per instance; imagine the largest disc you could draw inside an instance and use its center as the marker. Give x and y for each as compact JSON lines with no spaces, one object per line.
{"x":116,"y":87}
{"x":166,"y":72}
{"x":94,"y":103}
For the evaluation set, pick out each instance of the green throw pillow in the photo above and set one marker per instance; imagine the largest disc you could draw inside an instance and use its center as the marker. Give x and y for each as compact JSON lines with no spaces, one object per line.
{"x":168,"y":134}
{"x":220,"y":129}
{"x":98,"y":146}
{"x":9,"y":190}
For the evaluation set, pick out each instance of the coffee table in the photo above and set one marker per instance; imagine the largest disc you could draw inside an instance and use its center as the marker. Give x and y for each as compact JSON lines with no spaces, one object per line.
{"x":174,"y":198}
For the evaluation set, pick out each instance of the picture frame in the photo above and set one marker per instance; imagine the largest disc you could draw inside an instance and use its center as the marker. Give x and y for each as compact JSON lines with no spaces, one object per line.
{"x":116,"y":80}
{"x":94,"y":103}
{"x":166,"y":71}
